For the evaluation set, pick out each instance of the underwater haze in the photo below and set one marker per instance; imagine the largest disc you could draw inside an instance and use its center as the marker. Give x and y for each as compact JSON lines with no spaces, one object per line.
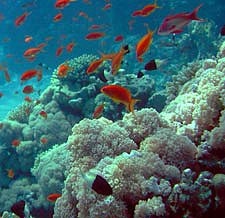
{"x":112,"y":109}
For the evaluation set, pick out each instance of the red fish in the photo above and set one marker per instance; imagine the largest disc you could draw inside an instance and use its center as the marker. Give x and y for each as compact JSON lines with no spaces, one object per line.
{"x":58,"y":17}
{"x":70,"y":46}
{"x":53,"y":197}
{"x":43,"y":140}
{"x":30,"y":74}
{"x":28,"y":39}
{"x":43,"y":114}
{"x":31,"y":53}
{"x":107,"y":6}
{"x":137,"y":13}
{"x":120,"y":94}
{"x":59,"y":51}
{"x":118,"y":38}
{"x":143,"y":45}
{"x":7,"y":76}
{"x":117,"y":59}
{"x":28,"y":89}
{"x":20,"y":20}
{"x":27,"y":99}
{"x":148,"y":9}
{"x":94,"y":35}
{"x":98,"y":111}
{"x":176,"y":23}
{"x":10,"y":173}
{"x":63,"y":70}
{"x":16,"y":142}
{"x":63,"y":3}
{"x":94,"y":65}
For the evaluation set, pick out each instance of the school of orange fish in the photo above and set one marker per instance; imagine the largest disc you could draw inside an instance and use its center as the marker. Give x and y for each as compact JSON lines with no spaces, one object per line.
{"x":172,"y":24}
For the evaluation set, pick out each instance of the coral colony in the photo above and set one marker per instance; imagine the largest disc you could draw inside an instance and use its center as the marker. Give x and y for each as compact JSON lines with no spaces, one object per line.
{"x":103,"y":140}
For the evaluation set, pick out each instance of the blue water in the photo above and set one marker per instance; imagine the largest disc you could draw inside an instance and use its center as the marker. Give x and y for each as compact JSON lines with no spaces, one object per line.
{"x":39,"y":24}
{"x":115,"y":21}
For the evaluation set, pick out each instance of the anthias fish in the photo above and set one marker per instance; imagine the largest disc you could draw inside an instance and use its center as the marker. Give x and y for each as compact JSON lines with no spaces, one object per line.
{"x":176,"y":23}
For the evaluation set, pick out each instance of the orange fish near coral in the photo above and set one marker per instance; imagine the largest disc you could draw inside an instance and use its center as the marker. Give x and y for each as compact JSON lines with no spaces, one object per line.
{"x":16,"y":142}
{"x":43,"y":114}
{"x":63,"y":70}
{"x":94,"y":65}
{"x":53,"y":197}
{"x":10,"y":173}
{"x":98,"y":111}
{"x":117,"y":59}
{"x":120,"y":94}
{"x":143,"y":45}
{"x":30,"y":74}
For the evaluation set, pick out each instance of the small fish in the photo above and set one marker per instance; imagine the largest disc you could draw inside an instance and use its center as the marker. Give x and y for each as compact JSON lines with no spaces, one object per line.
{"x":15,"y":142}
{"x":94,"y":65}
{"x":30,"y":74}
{"x":43,"y":140}
{"x":70,"y":46}
{"x":63,"y":3}
{"x":143,"y":45}
{"x":148,"y":9}
{"x":222,"y":31}
{"x":6,"y":75}
{"x":19,"y":208}
{"x":31,"y":53}
{"x":120,"y":94}
{"x":63,"y":70}
{"x":107,"y":7}
{"x":94,"y":35}
{"x":57,"y":17}
{"x":53,"y":197}
{"x":10,"y":173}
{"x":28,"y":39}
{"x":28,"y":89}
{"x":117,"y":60}
{"x":140,"y":74}
{"x":27,"y":99}
{"x":59,"y":51}
{"x":154,"y":64}
{"x":43,"y":114}
{"x":98,"y":111}
{"x":20,"y":20}
{"x":175,"y":23}
{"x":98,"y":183}
{"x":118,"y":38}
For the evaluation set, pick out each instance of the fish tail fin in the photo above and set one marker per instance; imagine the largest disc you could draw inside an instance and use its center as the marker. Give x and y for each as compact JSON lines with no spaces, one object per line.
{"x":130,"y":106}
{"x":193,"y":14}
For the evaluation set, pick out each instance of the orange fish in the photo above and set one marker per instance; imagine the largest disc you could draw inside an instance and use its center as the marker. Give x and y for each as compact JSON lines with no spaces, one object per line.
{"x":120,"y":94}
{"x":20,"y":20}
{"x":10,"y":173}
{"x":70,"y":46}
{"x":59,"y":51}
{"x":117,"y":60}
{"x":107,"y":6}
{"x":28,"y":89}
{"x":118,"y":38}
{"x":137,"y":13}
{"x":63,"y":70}
{"x":94,"y":35}
{"x":31,"y":53}
{"x":57,"y":17}
{"x":30,"y":74}
{"x":62,"y":3}
{"x":43,"y":114}
{"x":28,"y":99}
{"x":16,"y":142}
{"x":94,"y":65}
{"x":43,"y":140}
{"x":143,"y":45}
{"x":98,"y":111}
{"x":148,"y":9}
{"x":53,"y":197}
{"x":28,"y":38}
